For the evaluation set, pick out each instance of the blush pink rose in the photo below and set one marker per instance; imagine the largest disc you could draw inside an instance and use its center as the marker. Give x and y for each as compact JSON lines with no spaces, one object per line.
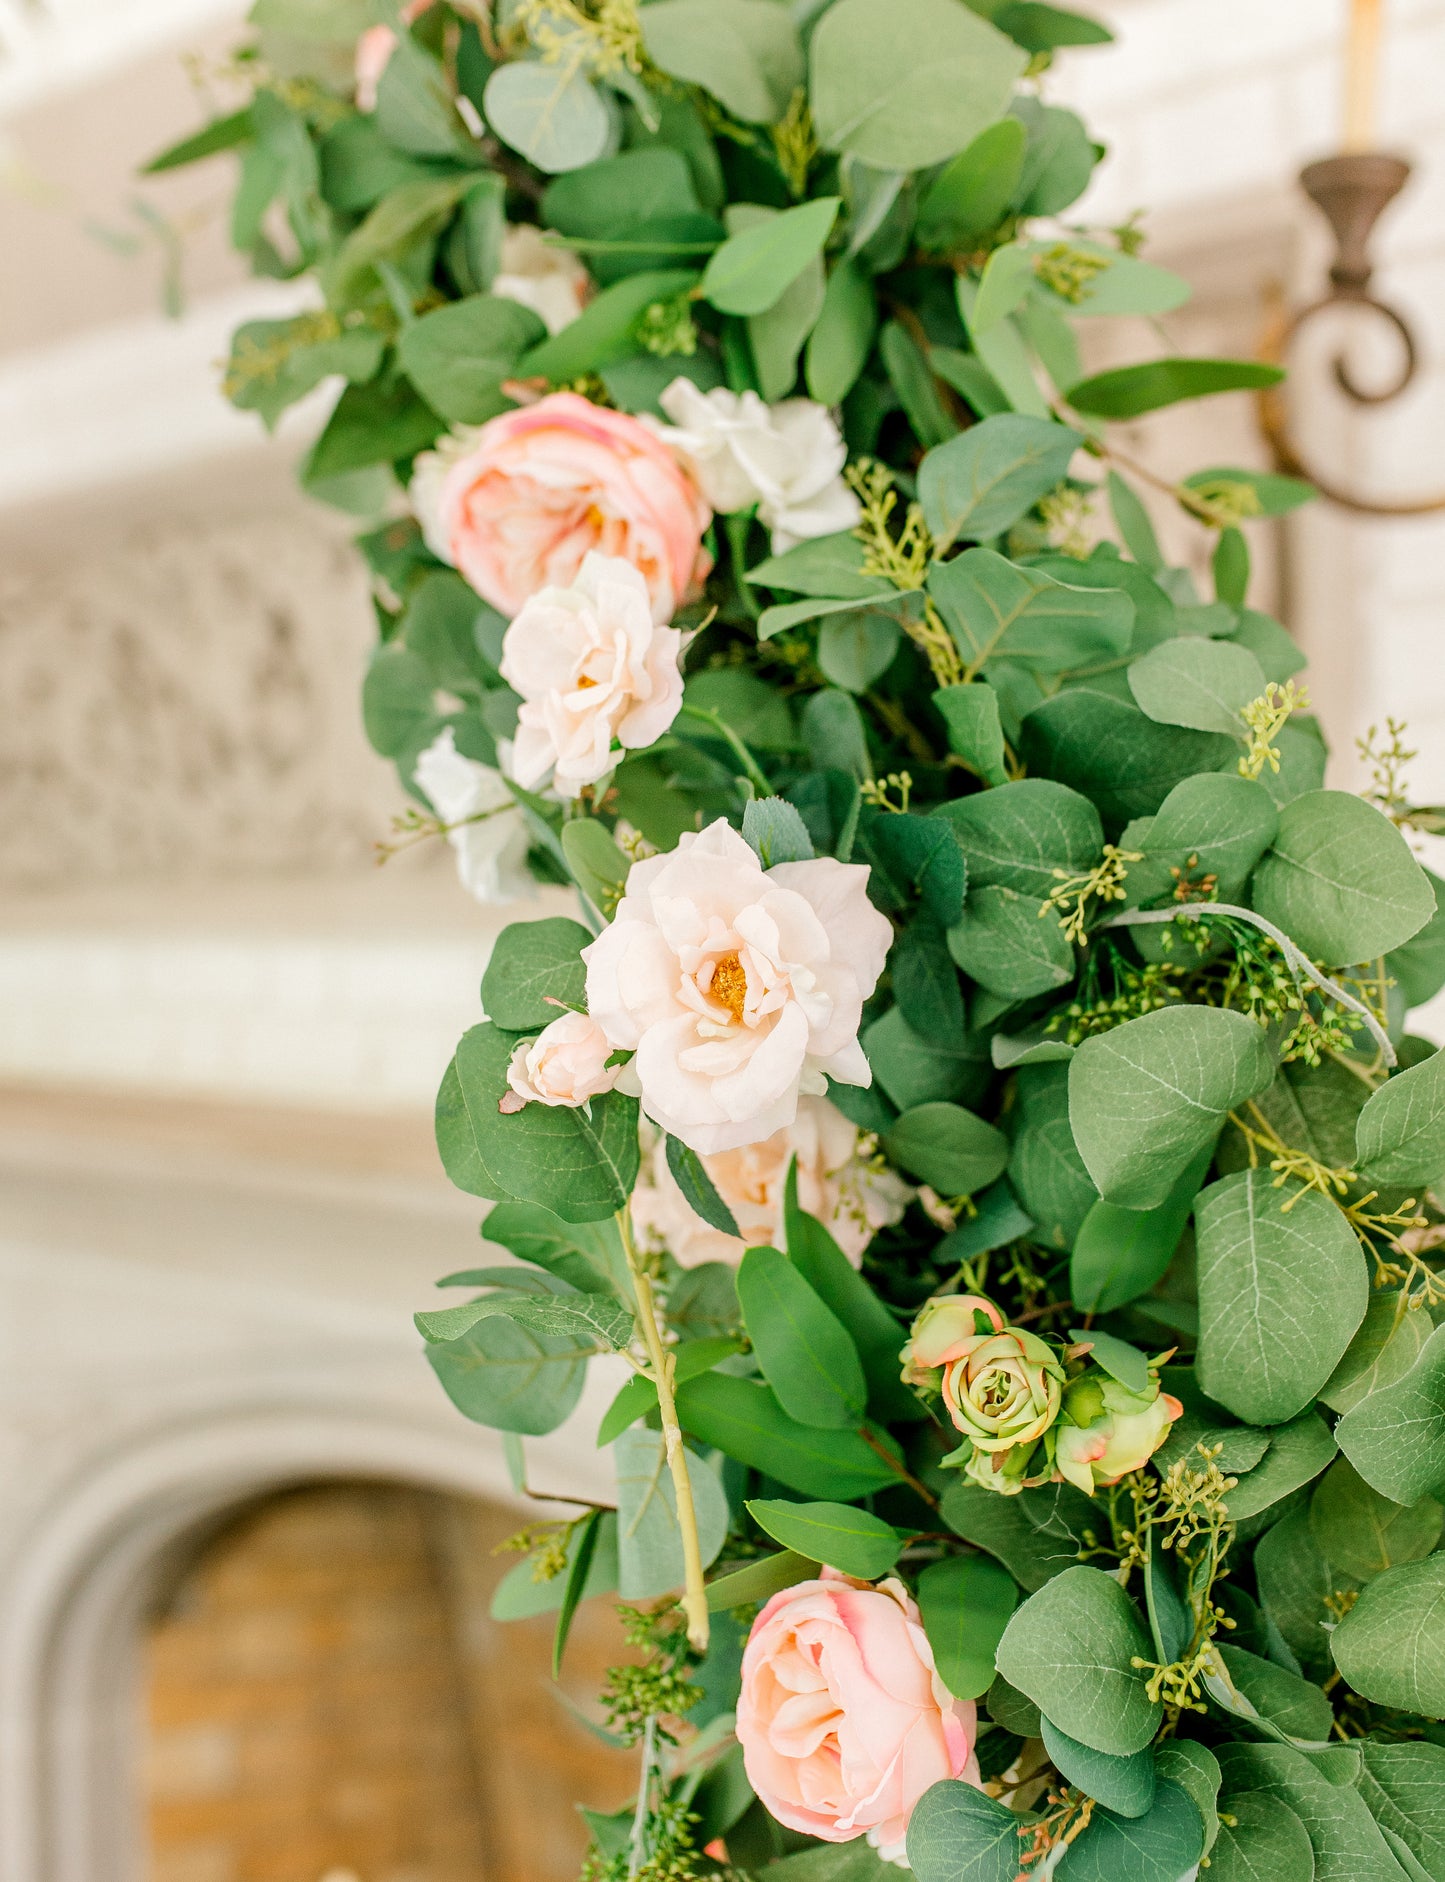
{"x":843,"y":1720}
{"x":566,"y":1064}
{"x":518,"y":503}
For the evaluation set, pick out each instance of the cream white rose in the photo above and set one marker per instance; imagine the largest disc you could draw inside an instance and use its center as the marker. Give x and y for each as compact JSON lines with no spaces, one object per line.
{"x":551,"y":281}
{"x":786,"y":458}
{"x":566,"y":1064}
{"x":835,"y":1183}
{"x":591,"y":669}
{"x":489,"y":834}
{"x":738,"y":988}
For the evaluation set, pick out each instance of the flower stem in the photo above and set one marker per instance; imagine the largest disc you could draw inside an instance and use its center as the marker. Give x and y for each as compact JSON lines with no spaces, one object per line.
{"x":751,"y":768}
{"x":694,"y":1600}
{"x":637,"y":1842}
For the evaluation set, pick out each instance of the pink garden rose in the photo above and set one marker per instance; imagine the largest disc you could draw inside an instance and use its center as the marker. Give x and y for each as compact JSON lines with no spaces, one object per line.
{"x":591,"y":668}
{"x":843,"y":1720}
{"x":516,"y":504}
{"x":738,"y":988}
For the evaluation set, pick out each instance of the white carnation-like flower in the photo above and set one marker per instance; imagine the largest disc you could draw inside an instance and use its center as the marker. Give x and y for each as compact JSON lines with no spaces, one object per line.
{"x":739,"y":989}
{"x":786,"y":458}
{"x":566,"y":1064}
{"x":835,"y":1183}
{"x":492,"y":850}
{"x":591,"y":668}
{"x":551,"y":281}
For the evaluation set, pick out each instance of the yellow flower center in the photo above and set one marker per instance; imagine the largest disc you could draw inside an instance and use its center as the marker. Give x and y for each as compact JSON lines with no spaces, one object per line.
{"x":729,"y":986}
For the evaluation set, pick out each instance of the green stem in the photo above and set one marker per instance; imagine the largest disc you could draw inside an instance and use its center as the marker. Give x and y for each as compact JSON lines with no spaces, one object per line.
{"x":1301,"y":962}
{"x":694,"y":1600}
{"x":751,"y":768}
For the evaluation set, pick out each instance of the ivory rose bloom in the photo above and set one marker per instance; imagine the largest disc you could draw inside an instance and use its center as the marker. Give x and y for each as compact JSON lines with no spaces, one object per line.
{"x":843,"y":1721}
{"x":518,"y":503}
{"x":566,"y":1064}
{"x":551,"y":281}
{"x":852,"y":1199}
{"x":1124,"y":1439}
{"x":489,"y":834}
{"x":738,"y":988}
{"x":591,"y":668}
{"x":787,"y":458}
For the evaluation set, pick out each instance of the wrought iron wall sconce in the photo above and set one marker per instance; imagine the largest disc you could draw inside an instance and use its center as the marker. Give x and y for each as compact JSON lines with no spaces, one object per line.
{"x":1352,"y":190}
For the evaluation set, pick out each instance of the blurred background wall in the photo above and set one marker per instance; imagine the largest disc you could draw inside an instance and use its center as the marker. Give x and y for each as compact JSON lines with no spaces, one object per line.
{"x":244,"y":1542}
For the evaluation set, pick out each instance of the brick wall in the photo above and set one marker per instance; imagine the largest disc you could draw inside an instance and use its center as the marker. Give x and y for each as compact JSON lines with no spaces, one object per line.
{"x":328,"y":1701}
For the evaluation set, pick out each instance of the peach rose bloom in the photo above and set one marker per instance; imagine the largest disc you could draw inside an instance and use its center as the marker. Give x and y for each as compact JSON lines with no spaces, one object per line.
{"x":843,"y":1720}
{"x":851,"y":1198}
{"x":566,"y":1064}
{"x":516,"y":504}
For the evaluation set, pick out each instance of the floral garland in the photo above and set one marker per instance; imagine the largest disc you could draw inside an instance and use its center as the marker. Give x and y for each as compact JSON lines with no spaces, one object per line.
{"x":973,"y":1113}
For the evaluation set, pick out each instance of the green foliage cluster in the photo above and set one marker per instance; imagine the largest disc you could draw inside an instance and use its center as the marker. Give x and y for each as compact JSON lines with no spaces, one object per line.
{"x":1142,"y":1040}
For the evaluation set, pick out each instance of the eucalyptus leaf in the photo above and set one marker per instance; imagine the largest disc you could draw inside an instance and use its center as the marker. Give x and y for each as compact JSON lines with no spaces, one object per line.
{"x":745,"y":52}
{"x":1391,"y":1644}
{"x":948,"y":1147}
{"x":581,"y":1167}
{"x":1071,"y":1648}
{"x":1147,"y":1097}
{"x":549,"y":112}
{"x":966,"y":1601}
{"x":980,"y":483}
{"x":1131,"y":391}
{"x":1011,"y":944}
{"x":1395,"y":1437}
{"x":1264,"y":1841}
{"x":1346,"y":1842}
{"x":1026,"y":836}
{"x":1340,"y":880}
{"x":1203,"y":684}
{"x":975,"y":731}
{"x":753,"y":267}
{"x":909,"y":88}
{"x":1161,"y":1846}
{"x":1282,"y":1290}
{"x":1364,"y":1533}
{"x":1404,"y":1785}
{"x":997,"y":610}
{"x":1400,"y":1135}
{"x":1123,"y":1785}
{"x":535,"y":973}
{"x":649,"y":1539}
{"x":957,"y":1834}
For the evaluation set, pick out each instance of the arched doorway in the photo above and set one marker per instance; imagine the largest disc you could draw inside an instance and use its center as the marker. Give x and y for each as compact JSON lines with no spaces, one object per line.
{"x":325,"y":1696}
{"x":109,"y":1555}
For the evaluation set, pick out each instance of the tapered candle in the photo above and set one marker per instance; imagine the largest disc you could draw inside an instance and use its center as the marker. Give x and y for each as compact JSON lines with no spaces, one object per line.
{"x":1362,"y":66}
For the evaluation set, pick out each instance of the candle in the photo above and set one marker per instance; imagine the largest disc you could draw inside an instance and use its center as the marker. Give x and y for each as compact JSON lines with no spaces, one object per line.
{"x":1362,"y":62}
